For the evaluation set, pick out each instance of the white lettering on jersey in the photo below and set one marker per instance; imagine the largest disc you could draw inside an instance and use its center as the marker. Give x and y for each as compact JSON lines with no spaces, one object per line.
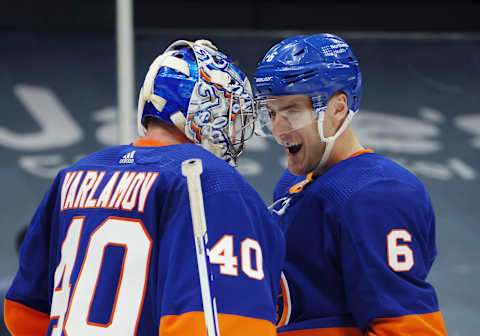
{"x":90,"y":200}
{"x":67,"y":181}
{"x":145,"y":189}
{"x":104,"y":197}
{"x":85,"y":187}
{"x":121,"y":189}
{"x":130,"y":198}
{"x":130,"y":192}
{"x":72,"y":191}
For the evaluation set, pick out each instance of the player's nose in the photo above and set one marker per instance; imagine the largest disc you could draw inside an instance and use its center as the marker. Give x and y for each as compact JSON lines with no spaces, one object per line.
{"x":281,"y":125}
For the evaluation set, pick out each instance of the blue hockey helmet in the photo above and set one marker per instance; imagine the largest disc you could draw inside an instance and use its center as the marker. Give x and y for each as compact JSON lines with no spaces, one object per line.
{"x":199,"y":90}
{"x":318,"y":65}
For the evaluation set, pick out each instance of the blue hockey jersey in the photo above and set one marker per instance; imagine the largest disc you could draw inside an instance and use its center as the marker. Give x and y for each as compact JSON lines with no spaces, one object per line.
{"x":110,"y":250}
{"x":360,"y":243}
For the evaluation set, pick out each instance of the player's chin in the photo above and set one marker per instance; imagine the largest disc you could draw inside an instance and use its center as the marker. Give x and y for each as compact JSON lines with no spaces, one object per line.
{"x":296,"y":165}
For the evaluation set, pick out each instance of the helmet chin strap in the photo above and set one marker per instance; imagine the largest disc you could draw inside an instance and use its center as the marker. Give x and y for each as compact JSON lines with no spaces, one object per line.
{"x":329,"y":141}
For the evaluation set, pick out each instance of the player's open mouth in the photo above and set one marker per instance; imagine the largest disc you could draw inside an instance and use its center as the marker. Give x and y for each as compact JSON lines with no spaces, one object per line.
{"x":293,"y":148}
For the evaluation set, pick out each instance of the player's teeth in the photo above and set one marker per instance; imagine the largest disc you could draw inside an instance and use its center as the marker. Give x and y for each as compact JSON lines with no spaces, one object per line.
{"x":295,"y":148}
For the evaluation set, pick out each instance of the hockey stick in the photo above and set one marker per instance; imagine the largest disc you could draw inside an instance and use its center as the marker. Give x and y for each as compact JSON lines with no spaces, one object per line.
{"x":192,"y":169}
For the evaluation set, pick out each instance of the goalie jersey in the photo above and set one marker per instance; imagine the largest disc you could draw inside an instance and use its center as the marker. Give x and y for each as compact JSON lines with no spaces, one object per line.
{"x":360,"y":243}
{"x":110,"y":250}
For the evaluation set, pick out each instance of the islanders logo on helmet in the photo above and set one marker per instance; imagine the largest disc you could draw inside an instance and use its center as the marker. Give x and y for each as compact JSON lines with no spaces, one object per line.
{"x":318,"y":65}
{"x":199,"y":90}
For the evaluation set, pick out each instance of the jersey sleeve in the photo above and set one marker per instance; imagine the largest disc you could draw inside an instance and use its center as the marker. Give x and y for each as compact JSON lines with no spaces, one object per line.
{"x":388,"y":246}
{"x":246,"y":257}
{"x":27,"y":303}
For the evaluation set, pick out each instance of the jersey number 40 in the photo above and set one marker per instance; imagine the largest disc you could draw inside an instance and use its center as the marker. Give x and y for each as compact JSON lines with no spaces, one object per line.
{"x":223,"y":254}
{"x":73,"y":317}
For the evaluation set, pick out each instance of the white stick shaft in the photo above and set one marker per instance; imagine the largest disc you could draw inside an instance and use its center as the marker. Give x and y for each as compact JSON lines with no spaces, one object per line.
{"x":192,"y":169}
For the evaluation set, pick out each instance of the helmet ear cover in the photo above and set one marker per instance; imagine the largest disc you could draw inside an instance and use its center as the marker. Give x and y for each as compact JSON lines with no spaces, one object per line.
{"x":198,"y":89}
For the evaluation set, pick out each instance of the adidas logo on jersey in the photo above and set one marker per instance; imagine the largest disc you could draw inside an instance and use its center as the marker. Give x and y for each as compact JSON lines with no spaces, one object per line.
{"x":127,"y":158}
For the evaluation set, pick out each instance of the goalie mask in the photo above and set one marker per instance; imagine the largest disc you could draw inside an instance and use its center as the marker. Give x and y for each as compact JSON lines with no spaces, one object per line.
{"x":198,"y":89}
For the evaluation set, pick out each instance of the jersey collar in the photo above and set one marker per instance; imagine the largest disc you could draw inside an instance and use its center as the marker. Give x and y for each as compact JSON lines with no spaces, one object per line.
{"x":360,"y":152}
{"x":280,"y":206}
{"x":310,"y":177}
{"x":147,"y":142}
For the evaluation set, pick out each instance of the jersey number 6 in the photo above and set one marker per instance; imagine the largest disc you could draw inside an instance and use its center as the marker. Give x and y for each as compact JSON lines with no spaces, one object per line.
{"x":400,"y":256}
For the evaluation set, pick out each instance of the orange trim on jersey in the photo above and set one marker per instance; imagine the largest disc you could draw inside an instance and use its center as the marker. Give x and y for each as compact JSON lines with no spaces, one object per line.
{"x":296,"y":188}
{"x":193,"y":323}
{"x":147,"y":142}
{"x":423,"y":324}
{"x":23,"y":320}
{"x":363,"y":151}
{"x":346,"y":331}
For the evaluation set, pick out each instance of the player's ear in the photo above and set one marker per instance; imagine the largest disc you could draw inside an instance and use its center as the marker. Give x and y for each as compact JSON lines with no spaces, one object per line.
{"x":339,"y":105}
